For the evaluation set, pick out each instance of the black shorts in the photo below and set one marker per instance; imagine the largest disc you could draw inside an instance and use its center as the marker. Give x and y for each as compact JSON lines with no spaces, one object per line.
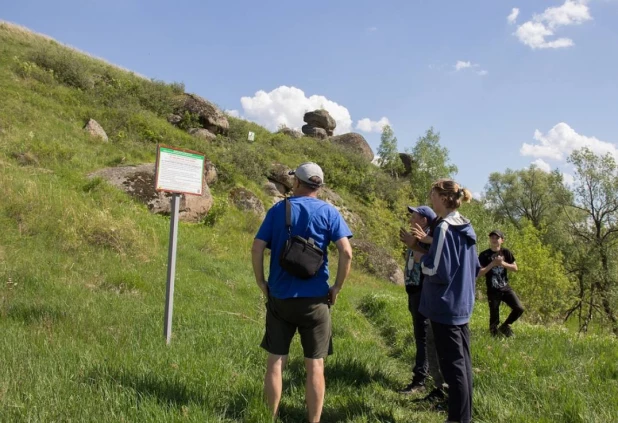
{"x":311,"y":316}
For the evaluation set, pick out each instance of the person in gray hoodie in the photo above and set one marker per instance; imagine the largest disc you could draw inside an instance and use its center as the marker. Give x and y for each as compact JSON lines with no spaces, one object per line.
{"x":447,"y":300}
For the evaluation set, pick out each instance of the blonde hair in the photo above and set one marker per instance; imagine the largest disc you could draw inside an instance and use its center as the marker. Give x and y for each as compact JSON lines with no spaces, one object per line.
{"x":454,"y":195}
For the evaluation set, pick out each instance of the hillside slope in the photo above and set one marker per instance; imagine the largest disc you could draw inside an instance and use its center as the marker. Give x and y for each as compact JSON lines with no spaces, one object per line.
{"x":82,"y":272}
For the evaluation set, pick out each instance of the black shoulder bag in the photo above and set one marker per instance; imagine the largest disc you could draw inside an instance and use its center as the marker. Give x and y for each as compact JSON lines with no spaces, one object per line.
{"x":300,"y":257}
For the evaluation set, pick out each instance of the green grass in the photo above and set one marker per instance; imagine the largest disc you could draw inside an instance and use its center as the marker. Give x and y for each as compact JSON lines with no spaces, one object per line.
{"x":82,"y":284}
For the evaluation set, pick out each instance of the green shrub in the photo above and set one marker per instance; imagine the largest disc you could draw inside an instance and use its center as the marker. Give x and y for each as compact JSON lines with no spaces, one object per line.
{"x":219,"y":208}
{"x":67,"y":66}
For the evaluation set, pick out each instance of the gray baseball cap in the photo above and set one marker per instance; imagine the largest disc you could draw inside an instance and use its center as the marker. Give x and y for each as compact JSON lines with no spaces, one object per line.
{"x":308,"y":170}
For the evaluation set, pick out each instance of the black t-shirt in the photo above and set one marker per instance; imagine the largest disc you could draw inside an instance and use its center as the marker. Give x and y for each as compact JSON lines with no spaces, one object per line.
{"x":497,"y":278}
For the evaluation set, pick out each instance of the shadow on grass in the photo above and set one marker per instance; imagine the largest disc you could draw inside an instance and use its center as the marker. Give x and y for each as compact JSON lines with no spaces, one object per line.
{"x":348,"y":371}
{"x":35,"y":313}
{"x":350,"y":409}
{"x":164,"y":390}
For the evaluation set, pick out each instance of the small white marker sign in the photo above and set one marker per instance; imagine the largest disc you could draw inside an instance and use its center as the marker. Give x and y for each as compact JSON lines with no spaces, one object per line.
{"x":251,"y":136}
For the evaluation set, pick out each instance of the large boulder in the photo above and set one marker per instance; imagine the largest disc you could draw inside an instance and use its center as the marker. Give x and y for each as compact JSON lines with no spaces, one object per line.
{"x":320,"y":119}
{"x":377,"y":261}
{"x":139,"y":183}
{"x":96,"y":130}
{"x":280,"y":175}
{"x":210,"y":117}
{"x":202,"y":133}
{"x":315,"y":132}
{"x":245,"y":200}
{"x":291,"y":132}
{"x":407,"y":160}
{"x":210,"y":173}
{"x":356,"y":143}
{"x":329,"y":196}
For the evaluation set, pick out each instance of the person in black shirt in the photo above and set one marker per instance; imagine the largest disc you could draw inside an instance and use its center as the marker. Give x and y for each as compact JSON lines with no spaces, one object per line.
{"x":495,"y":264}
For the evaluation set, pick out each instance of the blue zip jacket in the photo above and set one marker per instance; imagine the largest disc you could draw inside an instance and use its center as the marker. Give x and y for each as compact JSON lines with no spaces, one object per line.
{"x":450,"y":268}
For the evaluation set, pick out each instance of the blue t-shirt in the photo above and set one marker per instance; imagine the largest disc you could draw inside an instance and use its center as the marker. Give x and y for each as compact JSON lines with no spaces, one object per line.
{"x":313,"y":218}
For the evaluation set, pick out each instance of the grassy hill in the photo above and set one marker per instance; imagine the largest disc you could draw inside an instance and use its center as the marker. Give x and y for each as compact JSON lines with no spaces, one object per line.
{"x":82,"y":277}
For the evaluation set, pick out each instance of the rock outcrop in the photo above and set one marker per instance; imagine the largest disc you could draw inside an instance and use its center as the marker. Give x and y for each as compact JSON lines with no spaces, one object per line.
{"x":202,"y":133}
{"x":280,"y":176}
{"x":139,"y":183}
{"x":291,"y":132}
{"x":354,"y":142}
{"x":209,"y":116}
{"x":407,"y":160}
{"x":245,"y":200}
{"x":319,"y":124}
{"x":314,"y":132}
{"x":96,"y":130}
{"x":377,"y":261}
{"x":210,"y":173}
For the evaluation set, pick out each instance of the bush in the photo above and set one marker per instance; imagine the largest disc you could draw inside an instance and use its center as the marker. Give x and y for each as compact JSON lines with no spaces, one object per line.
{"x":68,"y":67}
{"x":219,"y":209}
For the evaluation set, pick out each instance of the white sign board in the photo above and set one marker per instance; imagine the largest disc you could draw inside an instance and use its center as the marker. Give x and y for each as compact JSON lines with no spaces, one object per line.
{"x":179,"y":171}
{"x":251,"y":136}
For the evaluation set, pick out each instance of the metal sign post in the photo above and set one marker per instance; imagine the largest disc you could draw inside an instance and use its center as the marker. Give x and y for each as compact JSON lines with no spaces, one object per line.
{"x":178,"y":171}
{"x":171,"y":269}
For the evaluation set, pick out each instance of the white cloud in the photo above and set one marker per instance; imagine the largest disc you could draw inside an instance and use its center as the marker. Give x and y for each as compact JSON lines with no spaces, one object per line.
{"x":462,"y":65}
{"x":477,"y":195}
{"x":234,"y":113}
{"x":372,"y":29}
{"x":512,"y":18}
{"x":287,"y":106}
{"x":368,"y":125}
{"x":561,"y":140}
{"x":542,"y":165}
{"x":534,"y":32}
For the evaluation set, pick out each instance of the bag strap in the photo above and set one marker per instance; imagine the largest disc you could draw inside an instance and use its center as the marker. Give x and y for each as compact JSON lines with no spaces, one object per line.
{"x":288,"y":216}
{"x":288,"y":219}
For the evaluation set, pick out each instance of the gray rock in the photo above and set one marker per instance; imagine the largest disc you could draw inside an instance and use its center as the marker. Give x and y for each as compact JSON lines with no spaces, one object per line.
{"x":279,"y":174}
{"x":377,"y":261}
{"x":210,"y":117}
{"x":356,"y":143}
{"x":320,"y":119}
{"x":407,"y":161}
{"x":247,"y":201}
{"x":202,"y":133}
{"x":174,"y":119}
{"x":291,"y":132}
{"x":139,"y":183}
{"x":315,"y":132}
{"x":210,"y":173}
{"x":96,"y":130}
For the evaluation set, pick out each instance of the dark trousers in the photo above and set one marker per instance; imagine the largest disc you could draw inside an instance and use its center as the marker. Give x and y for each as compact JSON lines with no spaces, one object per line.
{"x":453,"y":345}
{"x":420,"y":325}
{"x":508,"y":297}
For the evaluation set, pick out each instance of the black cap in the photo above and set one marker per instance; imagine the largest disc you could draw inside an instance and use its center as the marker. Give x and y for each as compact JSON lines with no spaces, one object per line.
{"x":497,"y":232}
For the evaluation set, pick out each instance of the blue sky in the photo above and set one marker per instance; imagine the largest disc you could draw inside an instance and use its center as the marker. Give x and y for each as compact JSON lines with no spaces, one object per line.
{"x":502,"y":92}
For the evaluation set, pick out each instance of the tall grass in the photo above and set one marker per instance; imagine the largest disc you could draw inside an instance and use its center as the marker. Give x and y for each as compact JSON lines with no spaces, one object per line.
{"x":82,"y":280}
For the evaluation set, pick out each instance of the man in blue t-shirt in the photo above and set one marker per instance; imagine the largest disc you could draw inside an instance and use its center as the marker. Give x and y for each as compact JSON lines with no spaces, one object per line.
{"x":300,"y":304}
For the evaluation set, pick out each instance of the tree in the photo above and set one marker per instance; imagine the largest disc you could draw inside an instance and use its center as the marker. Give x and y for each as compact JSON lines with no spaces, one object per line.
{"x":388,"y":156}
{"x":430,"y":162}
{"x":530,"y":194}
{"x":593,"y":220}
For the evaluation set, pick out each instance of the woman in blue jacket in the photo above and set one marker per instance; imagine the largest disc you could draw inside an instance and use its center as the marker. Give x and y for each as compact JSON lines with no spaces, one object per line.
{"x":450,"y":268}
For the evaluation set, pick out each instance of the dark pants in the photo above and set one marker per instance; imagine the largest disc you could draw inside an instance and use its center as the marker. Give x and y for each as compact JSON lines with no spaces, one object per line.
{"x":510,"y":299}
{"x":420,"y":325}
{"x":453,"y":345}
